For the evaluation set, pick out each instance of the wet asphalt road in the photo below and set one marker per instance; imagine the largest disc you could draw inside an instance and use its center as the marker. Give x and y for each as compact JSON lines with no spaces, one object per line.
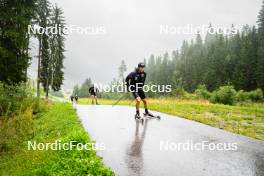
{"x":160,"y":147}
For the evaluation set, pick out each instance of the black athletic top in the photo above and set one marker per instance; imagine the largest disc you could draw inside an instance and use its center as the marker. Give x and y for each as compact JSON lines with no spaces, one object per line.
{"x":93,"y":90}
{"x":135,"y":78}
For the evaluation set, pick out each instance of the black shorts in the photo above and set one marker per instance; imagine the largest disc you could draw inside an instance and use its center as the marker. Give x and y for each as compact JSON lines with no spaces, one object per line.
{"x":139,"y":93}
{"x":93,"y":94}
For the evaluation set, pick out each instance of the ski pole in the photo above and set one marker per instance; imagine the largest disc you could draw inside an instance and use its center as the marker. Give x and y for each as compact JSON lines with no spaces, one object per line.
{"x":118,"y":100}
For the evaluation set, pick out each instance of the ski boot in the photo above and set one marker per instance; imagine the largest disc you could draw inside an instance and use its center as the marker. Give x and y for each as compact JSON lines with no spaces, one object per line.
{"x":151,"y":115}
{"x":138,"y":118}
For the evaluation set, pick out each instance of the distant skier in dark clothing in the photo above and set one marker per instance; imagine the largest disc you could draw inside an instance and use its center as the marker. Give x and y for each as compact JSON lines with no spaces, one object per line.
{"x":76,"y":98}
{"x":93,"y":91}
{"x":72,"y":98}
{"x":135,"y":82}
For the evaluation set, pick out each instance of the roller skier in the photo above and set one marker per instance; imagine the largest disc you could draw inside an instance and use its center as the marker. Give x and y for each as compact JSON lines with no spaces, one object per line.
{"x":135,"y":82}
{"x":93,"y":91}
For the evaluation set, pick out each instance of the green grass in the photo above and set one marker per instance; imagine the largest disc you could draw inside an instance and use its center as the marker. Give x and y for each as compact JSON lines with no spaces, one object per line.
{"x":246,"y":119}
{"x":60,"y":122}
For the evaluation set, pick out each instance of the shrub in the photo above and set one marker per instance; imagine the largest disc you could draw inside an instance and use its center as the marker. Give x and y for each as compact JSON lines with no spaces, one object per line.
{"x":224,"y":95}
{"x":15,"y":129}
{"x":17,"y":106}
{"x":12,"y":97}
{"x":202,"y":92}
{"x":242,"y":95}
{"x":256,"y":95}
{"x":179,"y":92}
{"x":18,"y":98}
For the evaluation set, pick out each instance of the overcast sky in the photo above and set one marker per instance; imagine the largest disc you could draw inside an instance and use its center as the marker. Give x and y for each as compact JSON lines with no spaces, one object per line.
{"x":132,"y":31}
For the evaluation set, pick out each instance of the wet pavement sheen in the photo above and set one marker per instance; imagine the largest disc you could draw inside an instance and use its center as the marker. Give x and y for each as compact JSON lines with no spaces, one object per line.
{"x":133,"y":148}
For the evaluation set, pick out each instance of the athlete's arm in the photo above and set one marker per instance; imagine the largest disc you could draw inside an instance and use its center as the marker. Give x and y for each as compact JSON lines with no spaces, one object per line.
{"x":128,"y":79}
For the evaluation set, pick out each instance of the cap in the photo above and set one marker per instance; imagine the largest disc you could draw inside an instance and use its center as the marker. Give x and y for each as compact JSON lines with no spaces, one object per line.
{"x":141,"y":64}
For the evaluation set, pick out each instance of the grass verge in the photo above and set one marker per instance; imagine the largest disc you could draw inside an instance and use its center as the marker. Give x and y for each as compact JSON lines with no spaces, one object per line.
{"x":245,"y":119}
{"x":60,"y":122}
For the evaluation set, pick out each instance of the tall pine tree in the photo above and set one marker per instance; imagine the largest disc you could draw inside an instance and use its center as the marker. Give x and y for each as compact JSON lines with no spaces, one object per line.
{"x":260,"y":69}
{"x":15,"y":16}
{"x":57,"y":48}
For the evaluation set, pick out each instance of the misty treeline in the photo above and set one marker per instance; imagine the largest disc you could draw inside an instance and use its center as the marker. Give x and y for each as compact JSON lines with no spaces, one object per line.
{"x":15,"y":42}
{"x":217,"y":60}
{"x":83,"y":90}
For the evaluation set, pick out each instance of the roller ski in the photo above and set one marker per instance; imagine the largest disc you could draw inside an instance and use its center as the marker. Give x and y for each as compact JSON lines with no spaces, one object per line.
{"x":138,"y":118}
{"x":151,"y":115}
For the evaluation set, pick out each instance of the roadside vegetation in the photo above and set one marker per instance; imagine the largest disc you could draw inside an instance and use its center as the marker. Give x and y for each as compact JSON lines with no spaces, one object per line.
{"x":26,"y":118}
{"x":24,"y":114}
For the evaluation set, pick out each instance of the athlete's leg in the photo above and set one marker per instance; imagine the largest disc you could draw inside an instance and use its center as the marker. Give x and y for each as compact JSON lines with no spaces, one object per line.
{"x":145,"y":103}
{"x":138,"y":99}
{"x":143,"y":98}
{"x":92,"y":96}
{"x":95,"y":97}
